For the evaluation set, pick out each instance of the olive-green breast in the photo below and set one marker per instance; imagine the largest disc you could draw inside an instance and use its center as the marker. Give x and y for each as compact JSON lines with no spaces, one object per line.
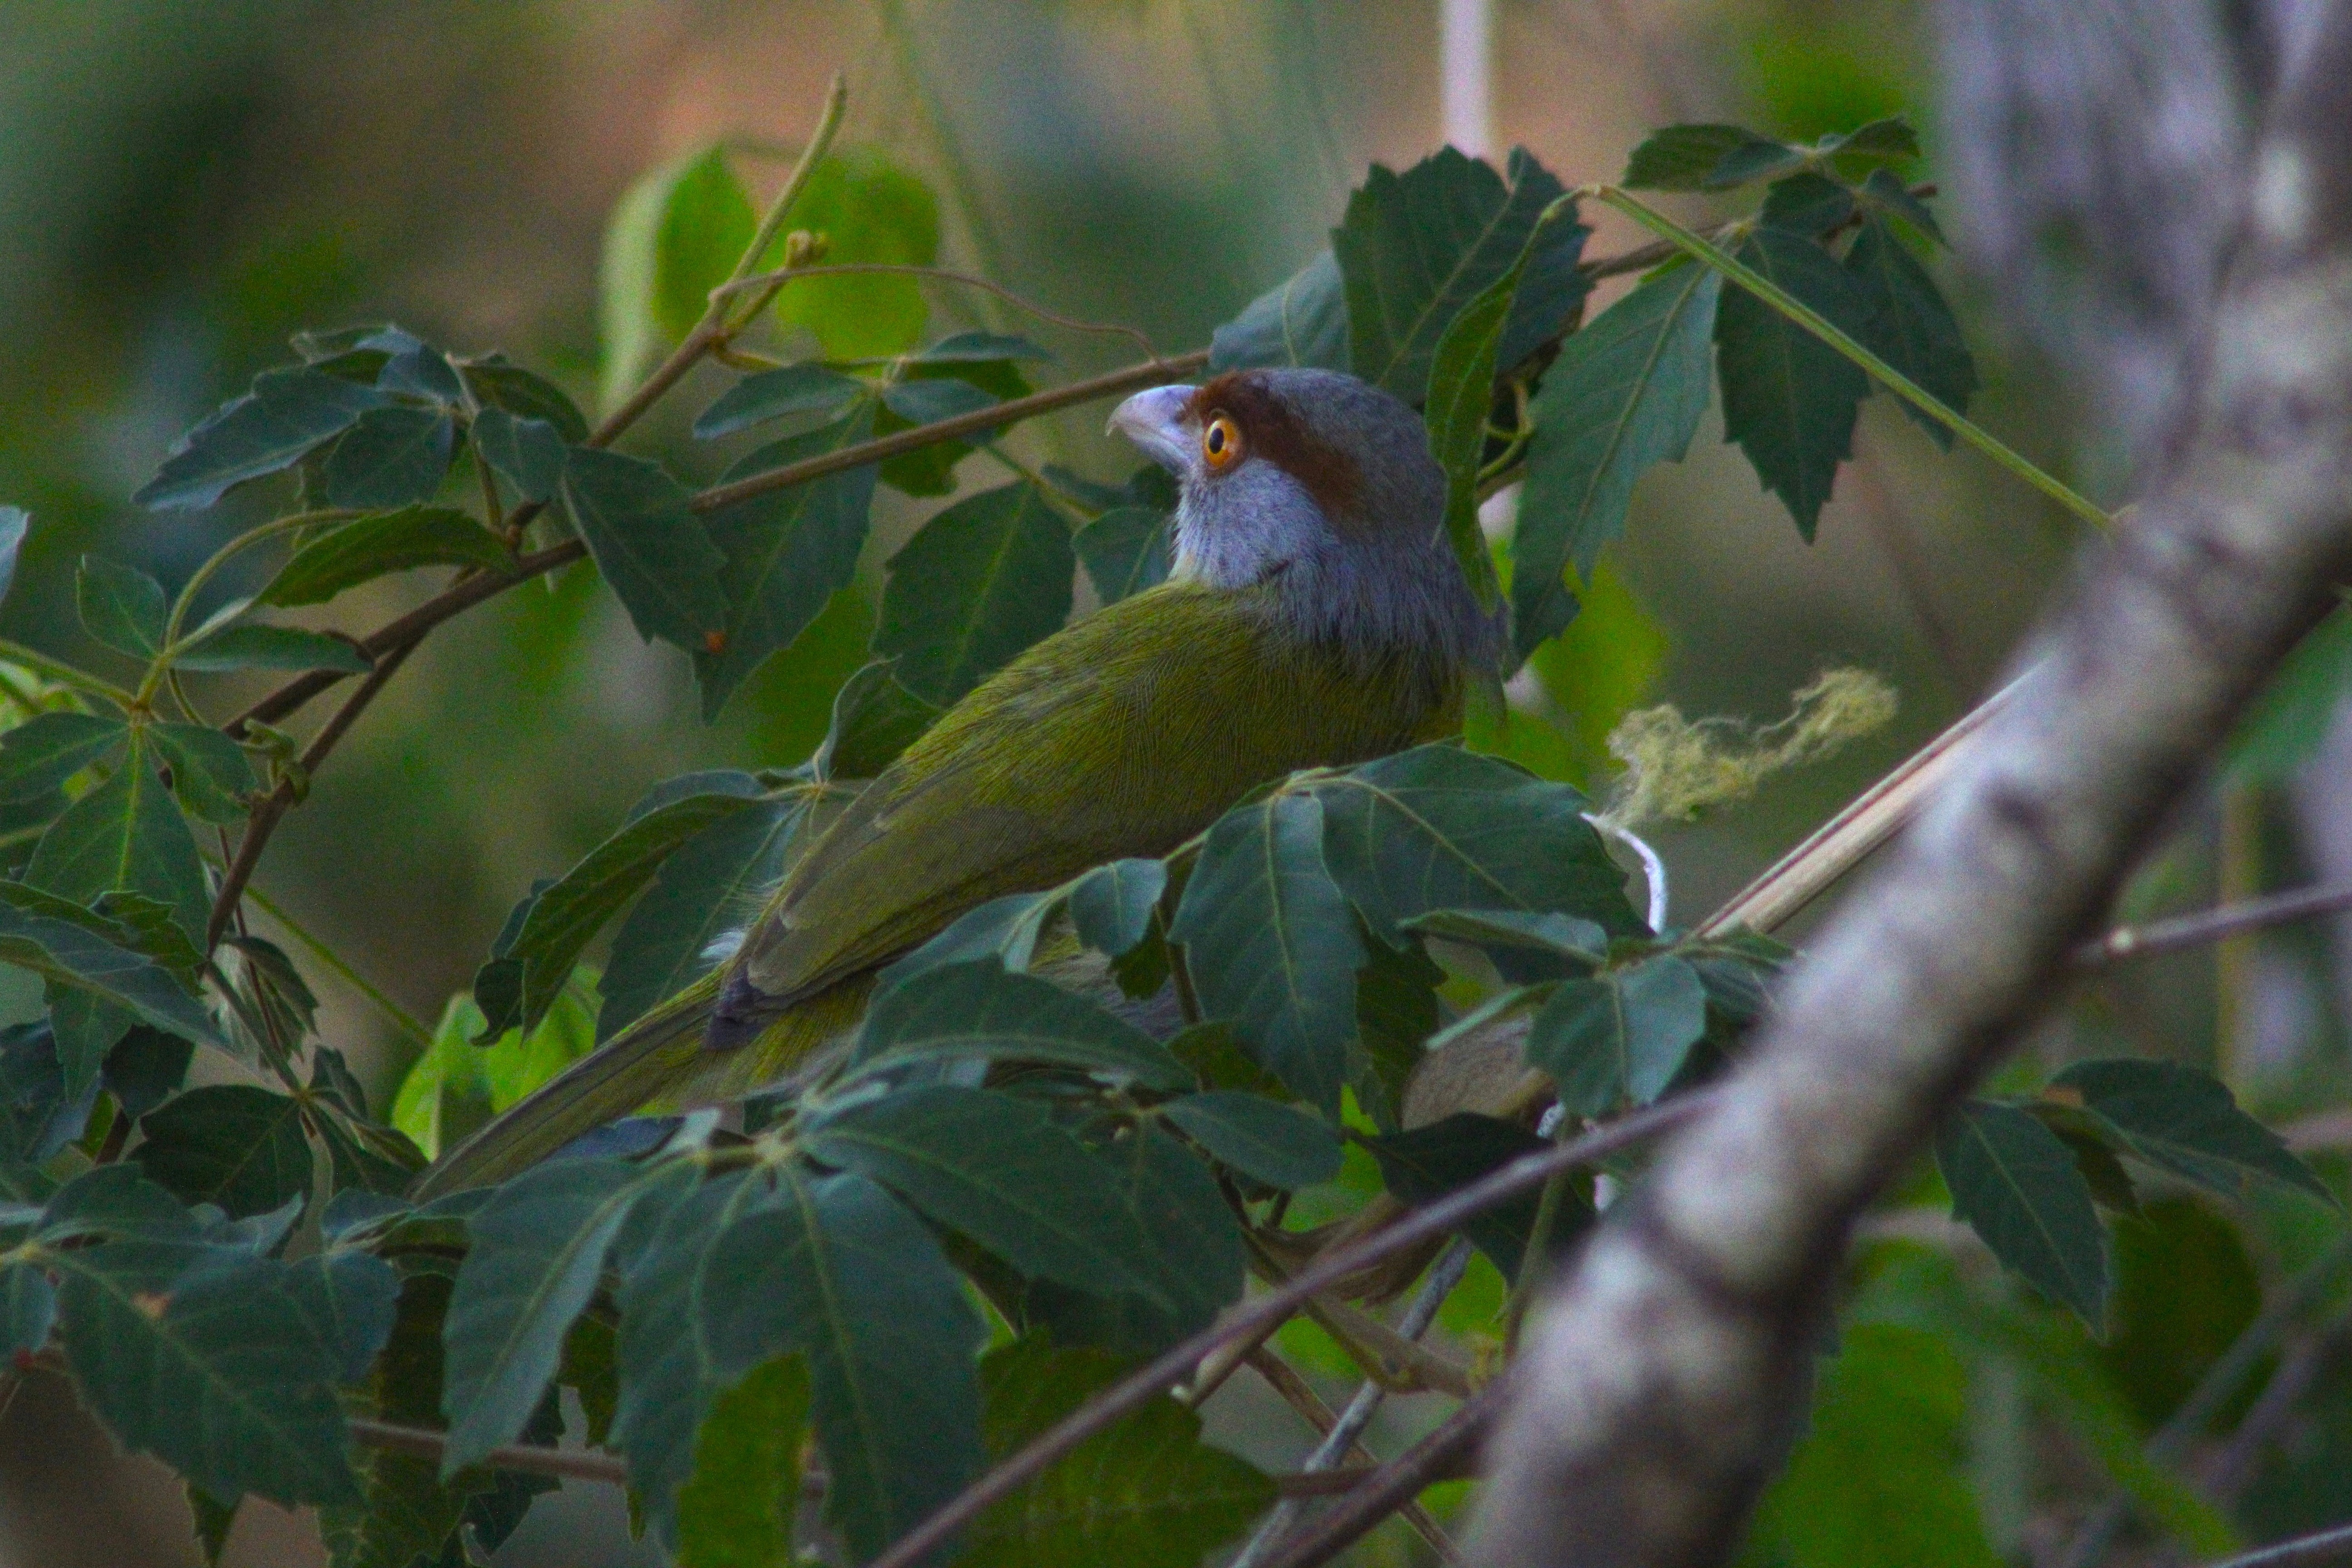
{"x":1122,"y":735}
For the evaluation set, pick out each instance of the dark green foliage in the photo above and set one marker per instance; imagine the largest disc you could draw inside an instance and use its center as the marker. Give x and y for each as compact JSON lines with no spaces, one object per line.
{"x":1126,"y":551}
{"x":1272,"y":944}
{"x":248,"y":647}
{"x":121,"y":606}
{"x":495,"y":383}
{"x":232,"y":1144}
{"x":1626,"y":392}
{"x":1705,"y":158}
{"x":529,"y":967}
{"x":650,"y":545}
{"x":874,"y":719}
{"x":793,"y":391}
{"x":527,"y":453}
{"x":1415,"y":248}
{"x":2183,"y":1121}
{"x":2013,"y":1180}
{"x":366,"y":548}
{"x":1789,"y":399}
{"x":1195,"y":1243}
{"x":736,"y":1510}
{"x":125,"y":834}
{"x":1112,"y":907}
{"x":1459,"y":409}
{"x":1427,"y":1163}
{"x":266,"y":431}
{"x":1146,"y":1493}
{"x":47,"y":750}
{"x":996,"y":1169}
{"x":1301,"y":321}
{"x":1620,"y":1035}
{"x":1906,"y":322}
{"x":981,"y":582}
{"x":211,"y":775}
{"x":1263,"y":1140}
{"x":966,"y":1010}
{"x":711,"y":882}
{"x":391,"y":456}
{"x":786,"y":554}
{"x":2185,"y":1290}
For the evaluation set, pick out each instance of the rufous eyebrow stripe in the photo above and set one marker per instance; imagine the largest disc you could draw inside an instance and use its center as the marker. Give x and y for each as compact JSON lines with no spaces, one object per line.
{"x":1273,"y":430}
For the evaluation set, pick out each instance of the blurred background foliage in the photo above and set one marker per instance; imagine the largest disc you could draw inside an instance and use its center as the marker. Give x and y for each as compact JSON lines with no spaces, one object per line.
{"x":183,"y":186}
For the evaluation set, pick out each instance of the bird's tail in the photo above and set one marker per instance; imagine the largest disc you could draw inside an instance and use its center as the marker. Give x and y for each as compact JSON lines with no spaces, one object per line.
{"x":658,"y":1063}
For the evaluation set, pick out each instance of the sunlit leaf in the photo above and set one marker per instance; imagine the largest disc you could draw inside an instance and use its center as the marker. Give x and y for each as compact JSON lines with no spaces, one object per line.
{"x":869,"y":210}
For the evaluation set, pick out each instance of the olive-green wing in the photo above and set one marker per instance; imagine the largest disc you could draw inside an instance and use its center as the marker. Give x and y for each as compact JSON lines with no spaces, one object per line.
{"x":1122,"y":735}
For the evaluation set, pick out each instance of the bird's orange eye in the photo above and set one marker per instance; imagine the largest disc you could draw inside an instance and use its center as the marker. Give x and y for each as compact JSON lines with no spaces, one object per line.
{"x":1220,"y":442}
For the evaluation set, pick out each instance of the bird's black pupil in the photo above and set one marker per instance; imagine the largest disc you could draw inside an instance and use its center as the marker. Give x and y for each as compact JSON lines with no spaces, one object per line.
{"x":1217,"y":439}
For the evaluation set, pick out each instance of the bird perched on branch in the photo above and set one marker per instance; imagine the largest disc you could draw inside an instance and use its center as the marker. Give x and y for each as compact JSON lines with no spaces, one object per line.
{"x":1314,"y":615}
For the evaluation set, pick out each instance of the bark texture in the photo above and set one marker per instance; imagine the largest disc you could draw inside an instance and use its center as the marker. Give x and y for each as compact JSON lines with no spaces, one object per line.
{"x":1662,"y":1376}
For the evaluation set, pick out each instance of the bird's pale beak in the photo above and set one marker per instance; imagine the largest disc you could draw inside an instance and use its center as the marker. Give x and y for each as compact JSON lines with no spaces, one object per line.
{"x":1154,"y":420}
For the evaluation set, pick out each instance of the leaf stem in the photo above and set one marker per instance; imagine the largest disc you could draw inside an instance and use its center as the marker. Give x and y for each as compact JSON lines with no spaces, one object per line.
{"x":1712,"y":255}
{"x":173,"y":644}
{"x":400,"y":1017}
{"x":67,"y":675}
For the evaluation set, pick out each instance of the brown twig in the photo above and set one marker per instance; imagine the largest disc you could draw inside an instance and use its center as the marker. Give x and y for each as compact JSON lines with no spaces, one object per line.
{"x":1284,"y":1379}
{"x":1150,"y":1381}
{"x":1441,"y":1456}
{"x":2213,"y":925}
{"x":265,"y":817}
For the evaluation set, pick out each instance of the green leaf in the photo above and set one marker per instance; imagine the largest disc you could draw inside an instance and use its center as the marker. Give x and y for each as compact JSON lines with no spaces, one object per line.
{"x":1271,"y":944}
{"x":1706,"y":158}
{"x":2184,"y":1291}
{"x":1461,"y":404}
{"x":978,"y":584}
{"x":995,"y":1168}
{"x":1886,"y":190}
{"x":1396,"y":1011}
{"x":1144,"y":1493}
{"x":211,"y":1520}
{"x":980,"y":1010}
{"x":979,"y":348}
{"x":1906,"y":322}
{"x":674,"y":236}
{"x":1807,"y":204}
{"x":1789,"y":399}
{"x":737,"y":1508}
{"x":28,"y":1308}
{"x":790,"y":391}
{"x":390,"y":457}
{"x":210,"y":773}
{"x":249,"y":647}
{"x":565,"y":916}
{"x":270,"y":428}
{"x":118,"y":1202}
{"x":1261,"y":1139}
{"x":1416,"y":247}
{"x":1006,"y":929}
{"x":538,"y":1246}
{"x":787,"y":552}
{"x":650,"y":545}
{"x":694,"y":1322}
{"x":1441,"y":829}
{"x":1620,"y":1035}
{"x":2184,"y":1120}
{"x":498,"y":384}
{"x":1581,"y":945}
{"x":528,"y":453}
{"x":126,"y":834}
{"x":1424,"y":1163}
{"x":1626,"y":392}
{"x":1112,"y":906}
{"x":122,"y":606}
{"x":1194,"y":1238}
{"x":44,"y":752}
{"x":1878,"y":1480}
{"x":869,"y":210}
{"x":212,"y":1368}
{"x":889,"y":1337}
{"x":231,"y":1144}
{"x":1301,"y":321}
{"x":2014,"y":1181}
{"x":874,"y":719}
{"x":712,"y":882}
{"x":77,"y":949}
{"x":348,"y":1298}
{"x":1125,"y":551}
{"x":370,"y":547}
